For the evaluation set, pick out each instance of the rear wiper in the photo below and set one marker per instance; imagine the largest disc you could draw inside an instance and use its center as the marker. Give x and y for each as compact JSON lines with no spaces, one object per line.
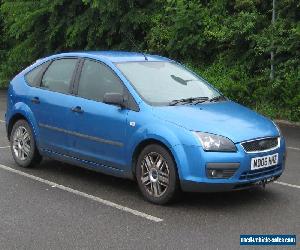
{"x":217,"y":98}
{"x":194,"y":100}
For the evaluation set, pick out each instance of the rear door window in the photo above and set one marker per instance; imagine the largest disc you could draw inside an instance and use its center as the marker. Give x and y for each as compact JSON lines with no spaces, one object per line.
{"x":58,"y":76}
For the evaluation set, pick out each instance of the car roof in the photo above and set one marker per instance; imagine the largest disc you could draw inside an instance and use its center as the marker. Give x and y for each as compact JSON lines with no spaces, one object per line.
{"x":115,"y":56}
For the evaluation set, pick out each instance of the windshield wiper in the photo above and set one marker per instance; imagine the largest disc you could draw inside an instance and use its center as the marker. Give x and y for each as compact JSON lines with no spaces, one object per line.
{"x":217,"y":98}
{"x":194,"y":100}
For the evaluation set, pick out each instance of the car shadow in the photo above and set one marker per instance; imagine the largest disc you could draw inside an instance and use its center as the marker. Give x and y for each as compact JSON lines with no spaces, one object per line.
{"x":227,"y":198}
{"x":65,"y":173}
{"x":127,"y":190}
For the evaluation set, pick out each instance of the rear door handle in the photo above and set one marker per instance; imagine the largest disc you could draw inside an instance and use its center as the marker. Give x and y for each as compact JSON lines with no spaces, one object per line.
{"x":35,"y":100}
{"x":77,"y":110}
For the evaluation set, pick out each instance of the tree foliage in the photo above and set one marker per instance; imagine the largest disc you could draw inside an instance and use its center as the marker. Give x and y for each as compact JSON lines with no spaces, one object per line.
{"x":227,"y":41}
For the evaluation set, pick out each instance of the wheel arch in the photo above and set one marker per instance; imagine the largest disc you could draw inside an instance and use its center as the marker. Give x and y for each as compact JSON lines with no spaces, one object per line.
{"x":143,"y":144}
{"x":16,"y":117}
{"x":21,"y":111}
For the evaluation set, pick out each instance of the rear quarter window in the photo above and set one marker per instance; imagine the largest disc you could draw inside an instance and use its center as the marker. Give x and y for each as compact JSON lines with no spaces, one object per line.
{"x":32,"y":77}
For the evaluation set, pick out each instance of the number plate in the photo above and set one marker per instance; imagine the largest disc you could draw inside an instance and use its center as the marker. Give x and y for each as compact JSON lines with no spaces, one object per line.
{"x":264,"y":161}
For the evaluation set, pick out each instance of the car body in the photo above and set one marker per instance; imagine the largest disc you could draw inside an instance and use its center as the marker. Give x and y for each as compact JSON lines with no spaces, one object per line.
{"x":108,"y":138}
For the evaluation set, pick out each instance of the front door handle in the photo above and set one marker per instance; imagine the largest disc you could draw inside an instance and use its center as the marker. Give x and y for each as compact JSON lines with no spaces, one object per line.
{"x":35,"y":100}
{"x":77,"y":109}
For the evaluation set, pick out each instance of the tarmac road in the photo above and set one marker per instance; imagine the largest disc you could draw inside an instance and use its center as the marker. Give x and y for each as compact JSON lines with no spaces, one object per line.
{"x":60,"y":206}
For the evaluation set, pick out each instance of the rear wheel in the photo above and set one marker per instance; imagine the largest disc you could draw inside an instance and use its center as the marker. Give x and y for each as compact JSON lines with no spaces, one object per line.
{"x":156,"y":174}
{"x":23,"y":145}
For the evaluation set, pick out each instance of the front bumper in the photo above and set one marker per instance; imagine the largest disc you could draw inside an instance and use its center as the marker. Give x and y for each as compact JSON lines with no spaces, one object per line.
{"x":191,"y":186}
{"x":193,"y":169}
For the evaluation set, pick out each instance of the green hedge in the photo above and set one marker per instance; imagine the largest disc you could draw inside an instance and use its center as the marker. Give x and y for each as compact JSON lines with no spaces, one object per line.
{"x":228,"y":42}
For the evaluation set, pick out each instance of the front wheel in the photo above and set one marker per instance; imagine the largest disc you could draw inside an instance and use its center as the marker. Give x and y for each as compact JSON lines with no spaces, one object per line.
{"x":156,"y":174}
{"x":23,"y":146}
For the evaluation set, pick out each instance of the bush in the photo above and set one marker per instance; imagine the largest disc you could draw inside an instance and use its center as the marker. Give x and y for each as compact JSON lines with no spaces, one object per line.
{"x":228,"y":42}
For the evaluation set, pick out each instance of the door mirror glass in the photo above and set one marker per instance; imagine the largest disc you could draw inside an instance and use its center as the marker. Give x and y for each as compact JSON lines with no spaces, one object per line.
{"x":114,"y":99}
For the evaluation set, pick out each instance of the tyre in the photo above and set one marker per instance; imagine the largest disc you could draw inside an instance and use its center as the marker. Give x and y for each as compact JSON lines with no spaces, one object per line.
{"x":23,"y":146}
{"x":156,"y":175}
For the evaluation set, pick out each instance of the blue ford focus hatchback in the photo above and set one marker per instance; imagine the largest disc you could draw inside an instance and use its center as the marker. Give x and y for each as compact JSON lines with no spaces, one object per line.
{"x":141,"y":117}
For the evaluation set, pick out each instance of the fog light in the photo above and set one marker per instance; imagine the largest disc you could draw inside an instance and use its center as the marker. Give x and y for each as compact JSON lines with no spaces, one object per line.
{"x":221,"y":170}
{"x":213,"y":173}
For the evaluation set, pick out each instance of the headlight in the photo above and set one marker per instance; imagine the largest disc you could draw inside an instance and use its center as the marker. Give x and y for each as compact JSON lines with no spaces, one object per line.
{"x":211,"y":142}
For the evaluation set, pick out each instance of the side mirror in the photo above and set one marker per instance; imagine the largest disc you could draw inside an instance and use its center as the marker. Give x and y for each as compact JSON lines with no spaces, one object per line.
{"x":114,"y":99}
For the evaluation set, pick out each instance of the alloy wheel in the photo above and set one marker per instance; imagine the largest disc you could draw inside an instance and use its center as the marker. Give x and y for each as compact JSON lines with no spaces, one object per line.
{"x":21,"y":143}
{"x":155,"y":174}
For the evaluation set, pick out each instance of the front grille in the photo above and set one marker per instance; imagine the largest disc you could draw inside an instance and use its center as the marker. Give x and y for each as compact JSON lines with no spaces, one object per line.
{"x":254,"y":174}
{"x":260,"y":144}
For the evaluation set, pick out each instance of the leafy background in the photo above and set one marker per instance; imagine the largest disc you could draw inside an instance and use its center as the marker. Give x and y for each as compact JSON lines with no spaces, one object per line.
{"x":226,"y":41}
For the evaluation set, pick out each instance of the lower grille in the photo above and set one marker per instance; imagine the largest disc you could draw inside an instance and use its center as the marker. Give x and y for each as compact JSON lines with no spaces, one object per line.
{"x":220,"y":173}
{"x":227,"y":173}
{"x":253,"y":174}
{"x":261,"y":144}
{"x":221,"y":169}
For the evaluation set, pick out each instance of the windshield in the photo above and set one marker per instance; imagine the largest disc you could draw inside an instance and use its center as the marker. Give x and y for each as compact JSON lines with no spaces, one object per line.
{"x":160,"y":83}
